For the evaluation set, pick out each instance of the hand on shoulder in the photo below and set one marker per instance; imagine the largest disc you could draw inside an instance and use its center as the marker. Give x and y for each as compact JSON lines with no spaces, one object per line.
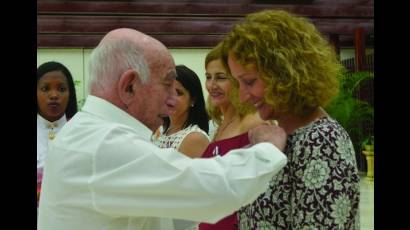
{"x":268,"y":133}
{"x":250,"y":121}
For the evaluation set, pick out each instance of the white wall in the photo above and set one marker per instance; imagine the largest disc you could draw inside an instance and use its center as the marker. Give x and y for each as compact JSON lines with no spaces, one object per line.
{"x":76,"y":60}
{"x":193,"y":59}
{"x":349,"y":53}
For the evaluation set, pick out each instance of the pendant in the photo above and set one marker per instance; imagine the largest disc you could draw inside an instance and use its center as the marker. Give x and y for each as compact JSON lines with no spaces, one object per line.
{"x":215,"y":152}
{"x":51,"y":135}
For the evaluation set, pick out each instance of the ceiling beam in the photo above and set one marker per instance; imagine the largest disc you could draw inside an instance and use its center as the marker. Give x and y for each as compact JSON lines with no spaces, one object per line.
{"x":175,"y":41}
{"x":352,"y":9}
{"x":187,"y":23}
{"x":172,"y":25}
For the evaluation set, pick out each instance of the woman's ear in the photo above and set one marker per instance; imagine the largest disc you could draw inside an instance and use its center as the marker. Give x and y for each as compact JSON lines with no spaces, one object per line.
{"x":126,"y":86}
{"x":193,"y":100}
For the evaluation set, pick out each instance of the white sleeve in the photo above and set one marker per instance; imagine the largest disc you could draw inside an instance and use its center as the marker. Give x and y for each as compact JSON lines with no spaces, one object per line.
{"x":136,"y":178}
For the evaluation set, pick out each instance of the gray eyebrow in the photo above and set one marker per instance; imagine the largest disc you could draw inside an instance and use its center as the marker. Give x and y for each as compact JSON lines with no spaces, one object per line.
{"x":172,"y":75}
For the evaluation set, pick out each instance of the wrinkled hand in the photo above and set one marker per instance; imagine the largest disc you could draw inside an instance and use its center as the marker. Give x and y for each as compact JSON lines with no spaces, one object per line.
{"x":268,"y":133}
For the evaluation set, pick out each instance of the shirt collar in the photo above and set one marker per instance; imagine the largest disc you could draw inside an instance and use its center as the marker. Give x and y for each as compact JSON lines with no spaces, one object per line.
{"x":110,"y":112}
{"x":46,"y":123}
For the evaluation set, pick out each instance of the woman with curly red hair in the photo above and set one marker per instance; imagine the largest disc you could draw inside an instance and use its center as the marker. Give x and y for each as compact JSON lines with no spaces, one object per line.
{"x":289,"y":72}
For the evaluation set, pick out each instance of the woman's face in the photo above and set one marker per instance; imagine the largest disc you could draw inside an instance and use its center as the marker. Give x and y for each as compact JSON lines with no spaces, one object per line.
{"x":251,"y":88}
{"x":217,"y":83}
{"x":52,"y":95}
{"x":183,"y":101}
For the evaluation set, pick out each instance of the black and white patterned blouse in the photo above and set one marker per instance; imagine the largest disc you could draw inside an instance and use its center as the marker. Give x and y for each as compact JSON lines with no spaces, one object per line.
{"x":317,"y":189}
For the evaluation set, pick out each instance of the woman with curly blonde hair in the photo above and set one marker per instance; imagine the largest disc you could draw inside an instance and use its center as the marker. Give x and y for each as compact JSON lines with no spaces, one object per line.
{"x":289,"y":72}
{"x":234,"y":119}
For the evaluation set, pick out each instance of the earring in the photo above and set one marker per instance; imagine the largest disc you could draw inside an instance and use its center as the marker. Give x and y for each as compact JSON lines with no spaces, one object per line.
{"x":192,"y":105}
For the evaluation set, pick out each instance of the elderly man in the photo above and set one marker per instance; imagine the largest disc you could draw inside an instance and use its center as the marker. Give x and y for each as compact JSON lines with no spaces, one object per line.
{"x":104,"y":173}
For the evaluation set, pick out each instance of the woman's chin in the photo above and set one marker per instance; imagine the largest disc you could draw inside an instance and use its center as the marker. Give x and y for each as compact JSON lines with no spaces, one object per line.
{"x":53,"y":115}
{"x":265,"y":113}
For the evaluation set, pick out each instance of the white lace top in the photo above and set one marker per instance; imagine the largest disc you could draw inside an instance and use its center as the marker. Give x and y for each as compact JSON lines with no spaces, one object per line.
{"x":174,"y":140}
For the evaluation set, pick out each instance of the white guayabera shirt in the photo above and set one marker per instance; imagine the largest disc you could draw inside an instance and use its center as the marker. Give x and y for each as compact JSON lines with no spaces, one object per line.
{"x":103,"y":172}
{"x":44,"y":128}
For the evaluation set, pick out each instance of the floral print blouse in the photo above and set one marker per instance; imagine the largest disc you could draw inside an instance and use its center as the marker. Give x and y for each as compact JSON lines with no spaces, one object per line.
{"x":317,"y":189}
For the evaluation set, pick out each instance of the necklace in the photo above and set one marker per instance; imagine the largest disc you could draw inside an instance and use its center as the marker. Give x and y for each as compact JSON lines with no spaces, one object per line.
{"x":51,"y":132}
{"x":175,"y":128}
{"x":222,"y":129}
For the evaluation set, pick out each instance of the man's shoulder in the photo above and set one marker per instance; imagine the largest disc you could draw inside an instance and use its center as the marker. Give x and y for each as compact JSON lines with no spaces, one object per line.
{"x":88,"y":130}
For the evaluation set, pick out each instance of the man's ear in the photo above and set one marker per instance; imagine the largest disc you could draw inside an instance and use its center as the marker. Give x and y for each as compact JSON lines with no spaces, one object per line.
{"x":126,"y":86}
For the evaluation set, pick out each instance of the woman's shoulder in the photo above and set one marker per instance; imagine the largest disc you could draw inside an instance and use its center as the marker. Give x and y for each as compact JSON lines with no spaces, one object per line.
{"x":194,"y":142}
{"x":323,"y":131}
{"x":197,"y":137}
{"x":194,"y":129}
{"x":250,"y":121}
{"x":324,"y":126}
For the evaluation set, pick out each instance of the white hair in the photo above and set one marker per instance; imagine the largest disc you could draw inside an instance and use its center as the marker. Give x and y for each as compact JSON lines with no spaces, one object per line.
{"x":112,"y":58}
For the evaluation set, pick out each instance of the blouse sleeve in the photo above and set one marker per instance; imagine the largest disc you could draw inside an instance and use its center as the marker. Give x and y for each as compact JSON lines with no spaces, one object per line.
{"x":326,"y":192}
{"x":145,"y":180}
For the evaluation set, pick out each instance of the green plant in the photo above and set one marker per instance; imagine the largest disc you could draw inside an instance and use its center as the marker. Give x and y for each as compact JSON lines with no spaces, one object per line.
{"x":368,"y":143}
{"x":351,"y":112}
{"x":80,"y":102}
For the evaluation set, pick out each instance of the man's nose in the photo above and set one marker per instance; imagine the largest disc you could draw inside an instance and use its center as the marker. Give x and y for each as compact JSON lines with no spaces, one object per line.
{"x":171,"y":102}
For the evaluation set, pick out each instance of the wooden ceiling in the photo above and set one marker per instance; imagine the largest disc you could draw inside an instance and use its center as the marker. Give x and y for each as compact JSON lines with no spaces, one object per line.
{"x":189,"y":23}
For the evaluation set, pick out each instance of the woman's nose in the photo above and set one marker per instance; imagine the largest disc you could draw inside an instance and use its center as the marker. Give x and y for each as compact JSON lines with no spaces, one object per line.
{"x":213,"y":83}
{"x":53,"y":94}
{"x":243,"y":95}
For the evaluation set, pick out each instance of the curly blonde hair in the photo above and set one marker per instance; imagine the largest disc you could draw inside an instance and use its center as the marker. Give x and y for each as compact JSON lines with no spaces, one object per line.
{"x":242,"y":109}
{"x":296,"y":62}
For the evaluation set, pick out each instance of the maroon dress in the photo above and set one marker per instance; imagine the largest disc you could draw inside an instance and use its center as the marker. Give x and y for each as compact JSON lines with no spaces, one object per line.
{"x":221,"y":148}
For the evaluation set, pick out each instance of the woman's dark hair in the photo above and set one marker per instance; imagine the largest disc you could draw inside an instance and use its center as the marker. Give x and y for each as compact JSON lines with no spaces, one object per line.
{"x":197,"y":114}
{"x":55,"y":66}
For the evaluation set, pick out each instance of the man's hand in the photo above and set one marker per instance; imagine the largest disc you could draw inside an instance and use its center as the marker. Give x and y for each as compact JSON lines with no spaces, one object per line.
{"x":268,"y":133}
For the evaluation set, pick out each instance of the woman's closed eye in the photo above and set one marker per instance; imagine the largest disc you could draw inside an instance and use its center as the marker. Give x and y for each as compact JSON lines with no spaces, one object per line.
{"x":249,"y":82}
{"x":221,"y":77}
